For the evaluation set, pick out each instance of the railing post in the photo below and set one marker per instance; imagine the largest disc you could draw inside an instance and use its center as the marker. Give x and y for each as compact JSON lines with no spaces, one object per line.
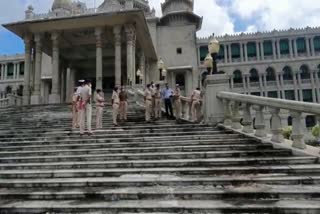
{"x":247,"y":119}
{"x":276,"y":126}
{"x":259,"y":122}
{"x":297,"y":130}
{"x":227,"y":113}
{"x":236,"y":116}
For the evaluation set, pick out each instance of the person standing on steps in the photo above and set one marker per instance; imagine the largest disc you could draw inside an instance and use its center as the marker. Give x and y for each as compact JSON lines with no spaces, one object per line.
{"x":86,"y":108}
{"x":100,"y":107}
{"x":153,"y":106}
{"x":148,"y":102}
{"x":177,"y":102}
{"x":157,"y":97}
{"x":167,"y":94}
{"x":75,"y":120}
{"x":78,"y":92}
{"x":115,"y":105}
{"x":195,"y":105}
{"x":123,"y":104}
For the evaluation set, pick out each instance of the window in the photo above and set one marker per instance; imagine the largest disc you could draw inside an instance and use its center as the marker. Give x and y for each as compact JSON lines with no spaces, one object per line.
{"x":307,"y":95}
{"x":284,"y":46}
{"x":21,"y":73}
{"x":10,"y":70}
{"x":235,"y":50}
{"x":317,"y":43}
{"x":203,"y":52}
{"x":254,"y":77}
{"x":220,"y":55}
{"x":271,"y":75}
{"x":256,"y":94}
{"x":310,"y":121}
{"x":179,"y":50}
{"x":301,"y":45}
{"x":305,"y":74}
{"x":289,"y":95}
{"x":273,"y":94}
{"x":180,"y":79}
{"x":287,"y":73}
{"x":267,"y":46}
{"x":289,"y":121}
{"x":237,"y":76}
{"x":252,"y":49}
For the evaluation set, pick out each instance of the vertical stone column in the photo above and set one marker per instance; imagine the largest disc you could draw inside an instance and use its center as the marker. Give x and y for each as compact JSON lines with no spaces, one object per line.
{"x":312,"y":46}
{"x":231,"y":82}
{"x":278,"y":49}
{"x":258,"y":50}
{"x":225,"y":53}
{"x":300,"y":86}
{"x":261,"y":85}
{"x":14,"y":70}
{"x":265,"y":85}
{"x":314,"y":98}
{"x":63,"y":84}
{"x":69,"y":85}
{"x":295,"y":47}
{"x":246,"y":52}
{"x":142,"y":66}
{"x":278,"y":85}
{"x":244,"y":83}
{"x":230,"y":53}
{"x":130,"y":31}
{"x":282,"y":86}
{"x":117,"y":45}
{"x":262,"y":50}
{"x":134,"y":58}
{"x":307,"y":39}
{"x":317,"y":86}
{"x":248,"y":84}
{"x":2,"y":71}
{"x":18,"y":70}
{"x":290,"y":48}
{"x":295,"y":87}
{"x":55,"y":95}
{"x":241,"y":51}
{"x":35,"y":98}
{"x":6,"y":71}
{"x":99,"y":56}
{"x":274,"y":49}
{"x":27,"y":63}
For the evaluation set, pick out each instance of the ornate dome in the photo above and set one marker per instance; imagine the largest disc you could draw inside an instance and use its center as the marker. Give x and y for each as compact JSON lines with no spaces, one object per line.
{"x":62,"y":4}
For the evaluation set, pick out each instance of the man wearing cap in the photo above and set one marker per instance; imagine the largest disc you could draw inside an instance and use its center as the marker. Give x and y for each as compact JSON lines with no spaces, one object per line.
{"x":86,"y":108}
{"x":99,"y":106}
{"x":123,"y":103}
{"x":81,"y":84}
{"x":75,"y":120}
{"x":195,"y":106}
{"x":148,"y":102}
{"x":177,"y":102}
{"x":157,"y":98}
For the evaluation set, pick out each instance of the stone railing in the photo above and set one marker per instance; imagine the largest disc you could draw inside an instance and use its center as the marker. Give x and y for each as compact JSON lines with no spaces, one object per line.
{"x":11,"y":100}
{"x":231,"y":103}
{"x":4,"y":102}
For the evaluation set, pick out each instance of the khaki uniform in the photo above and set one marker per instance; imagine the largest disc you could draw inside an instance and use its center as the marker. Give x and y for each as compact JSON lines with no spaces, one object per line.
{"x":75,"y":114}
{"x":78,"y":104}
{"x":85,"y":109}
{"x":148,"y":103}
{"x":115,"y":107}
{"x":123,"y":105}
{"x":177,"y":103}
{"x":195,"y":106}
{"x":153,"y":106}
{"x":157,"y":104}
{"x":99,"y":113}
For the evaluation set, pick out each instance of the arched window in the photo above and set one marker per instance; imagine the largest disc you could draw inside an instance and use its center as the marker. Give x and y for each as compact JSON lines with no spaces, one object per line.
{"x":305,"y":73}
{"x":271,"y":74}
{"x":237,"y":76}
{"x":254,"y":76}
{"x":20,"y":90}
{"x":310,"y":121}
{"x":8,"y":90}
{"x":287,"y":73}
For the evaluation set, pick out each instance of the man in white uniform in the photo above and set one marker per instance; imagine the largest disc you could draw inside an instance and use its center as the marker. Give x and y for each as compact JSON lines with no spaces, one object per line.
{"x":86,"y":108}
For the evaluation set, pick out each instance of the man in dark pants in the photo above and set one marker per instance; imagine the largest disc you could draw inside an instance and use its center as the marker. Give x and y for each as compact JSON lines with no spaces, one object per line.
{"x":167,"y":94}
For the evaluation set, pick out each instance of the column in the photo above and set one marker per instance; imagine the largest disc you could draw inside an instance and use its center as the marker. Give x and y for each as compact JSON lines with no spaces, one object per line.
{"x":307,"y":39}
{"x":314,"y":98}
{"x":2,"y":71}
{"x":6,"y":71}
{"x":55,"y":96}
{"x":317,"y":86}
{"x":290,"y":48}
{"x":18,"y":70}
{"x":63,"y":84}
{"x":14,"y":70}
{"x":142,"y":65}
{"x":130,"y":67}
{"x":35,"y":98}
{"x":282,"y":86}
{"x":258,"y":51}
{"x":246,"y":52}
{"x":231,"y":82}
{"x":230,"y":53}
{"x":117,"y":45}
{"x":262,"y":50}
{"x":300,"y":86}
{"x":27,"y":63}
{"x":274,"y":49}
{"x":248,"y":84}
{"x":312,"y":46}
{"x":278,"y":49}
{"x":225,"y":53}
{"x":261,"y":84}
{"x":99,"y":65}
{"x":134,"y":58}
{"x":244,"y":84}
{"x":241,"y":51}
{"x":295,"y":47}
{"x":278,"y":85}
{"x":295,"y":86}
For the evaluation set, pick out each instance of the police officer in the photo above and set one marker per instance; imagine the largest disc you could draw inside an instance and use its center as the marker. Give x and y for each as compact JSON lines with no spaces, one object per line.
{"x":195,"y":106}
{"x":148,"y":102}
{"x":115,"y":105}
{"x":177,"y":102}
{"x":75,"y":119}
{"x":157,"y":102}
{"x":123,"y":104}
{"x":86,"y":108}
{"x":99,"y":108}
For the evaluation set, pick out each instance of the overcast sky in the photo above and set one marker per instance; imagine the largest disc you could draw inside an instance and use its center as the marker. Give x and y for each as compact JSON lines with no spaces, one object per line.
{"x":219,"y":16}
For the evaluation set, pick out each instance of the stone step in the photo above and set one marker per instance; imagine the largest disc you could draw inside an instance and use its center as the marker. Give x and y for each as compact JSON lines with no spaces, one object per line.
{"x":179,"y":148}
{"x":147,"y":156}
{"x":296,"y":170}
{"x":162,"y":163}
{"x":246,"y":192}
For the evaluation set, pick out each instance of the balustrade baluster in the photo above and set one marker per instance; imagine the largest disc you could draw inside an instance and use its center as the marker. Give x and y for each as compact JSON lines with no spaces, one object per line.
{"x":259,"y":122}
{"x":297,"y":130}
{"x":247,"y":119}
{"x":236,"y":116}
{"x":276,"y":126}
{"x":227,"y":113}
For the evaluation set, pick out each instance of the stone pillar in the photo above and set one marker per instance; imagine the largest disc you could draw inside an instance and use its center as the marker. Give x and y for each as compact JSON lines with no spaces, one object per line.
{"x":130,"y":31}
{"x":262,"y":50}
{"x":290,"y":48}
{"x":282,"y":86}
{"x":36,"y":96}
{"x":142,"y":66}
{"x":314,"y":98}
{"x":99,"y":56}
{"x":295,"y":84}
{"x":278,"y":49}
{"x":258,"y":50}
{"x":300,"y":86}
{"x":246,"y":52}
{"x":213,"y":107}
{"x":265,"y":85}
{"x":27,"y":63}
{"x":241,"y":51}
{"x":14,"y":70}
{"x":134,"y":59}
{"x":317,"y":86}
{"x":63,"y":84}
{"x":274,"y":51}
{"x":261,"y":85}
{"x":225,"y":46}
{"x":307,"y":39}
{"x":55,"y":96}
{"x":69,"y":86}
{"x":230,"y":53}
{"x":2,"y":71}
{"x":248,"y":84}
{"x":295,"y":48}
{"x":278,"y":85}
{"x":18,"y":70}
{"x":6,"y":71}
{"x":312,"y":46}
{"x":117,"y":45}
{"x":244,"y":84}
{"x":297,"y":131}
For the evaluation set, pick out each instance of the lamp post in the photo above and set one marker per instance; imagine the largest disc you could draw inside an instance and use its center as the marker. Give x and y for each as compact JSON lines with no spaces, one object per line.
{"x":161,"y":68}
{"x":139,"y":75}
{"x":214,"y":48}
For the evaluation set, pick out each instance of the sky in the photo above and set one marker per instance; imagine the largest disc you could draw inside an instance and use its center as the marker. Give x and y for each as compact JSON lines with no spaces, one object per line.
{"x":219,"y":16}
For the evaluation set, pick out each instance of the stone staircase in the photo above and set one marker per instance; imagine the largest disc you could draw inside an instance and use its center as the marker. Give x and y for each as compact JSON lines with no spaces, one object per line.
{"x":145,"y":168}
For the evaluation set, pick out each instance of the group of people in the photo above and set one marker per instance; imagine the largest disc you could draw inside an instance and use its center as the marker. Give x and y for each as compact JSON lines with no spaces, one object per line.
{"x":82,"y":106}
{"x":153,"y":96}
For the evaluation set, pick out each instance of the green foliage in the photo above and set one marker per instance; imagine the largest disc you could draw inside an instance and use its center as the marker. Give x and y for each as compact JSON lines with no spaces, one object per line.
{"x":287,"y":132}
{"x":316,"y":131}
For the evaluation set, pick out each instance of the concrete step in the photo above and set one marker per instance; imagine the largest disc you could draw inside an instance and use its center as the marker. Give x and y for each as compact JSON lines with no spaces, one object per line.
{"x":296,"y":170}
{"x":162,"y":163}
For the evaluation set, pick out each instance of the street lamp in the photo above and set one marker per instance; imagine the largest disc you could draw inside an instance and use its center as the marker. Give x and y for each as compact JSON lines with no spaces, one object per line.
{"x":214,"y":48}
{"x":164,"y":74}
{"x":139,"y":75}
{"x":208,"y":62}
{"x":161,"y":68}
